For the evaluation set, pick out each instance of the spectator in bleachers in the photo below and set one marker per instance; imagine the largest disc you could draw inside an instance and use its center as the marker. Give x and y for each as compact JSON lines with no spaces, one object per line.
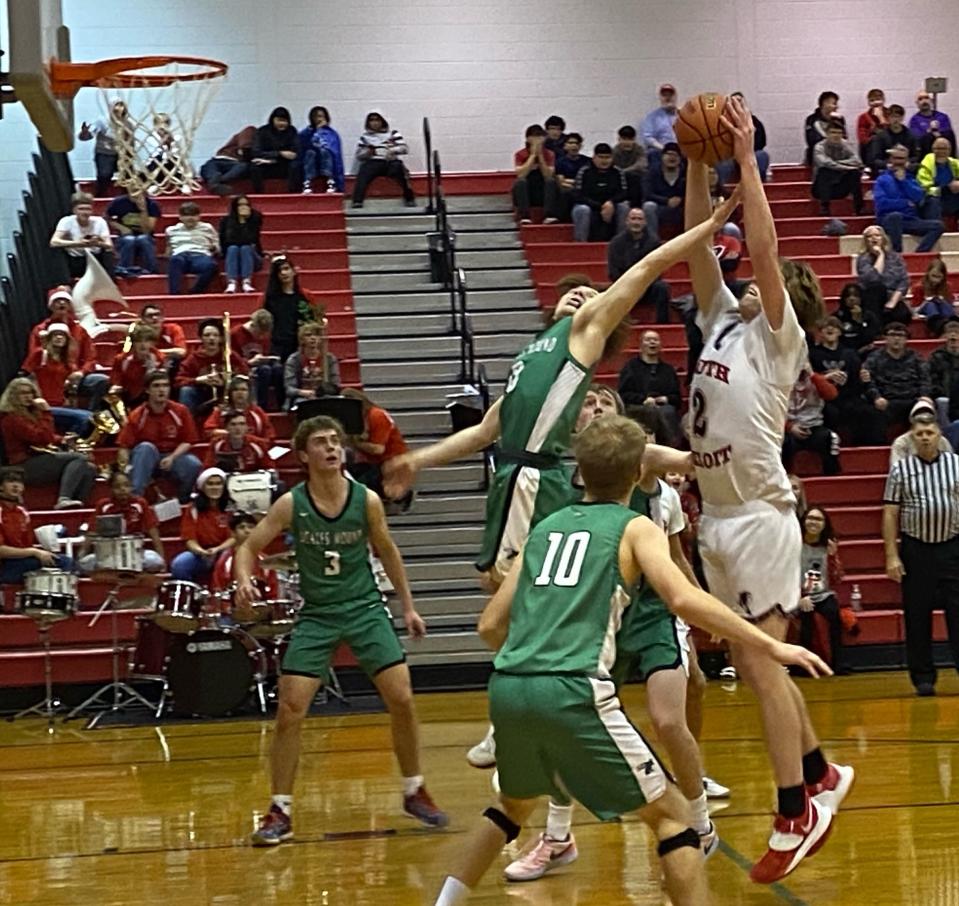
{"x":837,"y":170}
{"x":252,"y":341}
{"x":555,"y":141}
{"x":650,"y":384}
{"x":822,"y":574}
{"x":927,"y":124}
{"x":19,"y":552}
{"x":222,"y":579}
{"x":156,"y":439}
{"x":664,"y":189}
{"x":871,"y":121}
{"x":230,"y":163}
{"x":939,"y":176}
{"x":883,"y":277}
{"x":54,"y":370}
{"x":129,"y":371}
{"x":630,"y":247}
{"x":535,"y":168}
{"x":191,"y":247}
{"x":840,"y":366}
{"x":239,"y":236}
{"x":944,"y":378}
{"x":922,"y":413}
{"x":291,"y":307}
{"x":938,"y":306}
{"x":238,"y":451}
{"x":238,"y":400}
{"x":718,"y":193}
{"x":900,"y":204}
{"x":80,"y":232}
{"x":171,"y":340}
{"x":896,"y":133}
{"x":322,"y":152}
{"x":860,"y":328}
{"x":656,"y":129}
{"x":799,"y":492}
{"x":599,"y":198}
{"x":307,"y":373}
{"x":729,"y":170}
{"x":567,"y":169}
{"x":205,"y":526}
{"x":378,"y":152}
{"x":138,"y":519}
{"x":805,"y":422}
{"x":31,"y":441}
{"x":134,"y":216}
{"x":826,"y":113}
{"x":276,"y":152}
{"x":202,"y":374}
{"x":630,"y":156}
{"x":895,"y":377}
{"x":105,"y":154}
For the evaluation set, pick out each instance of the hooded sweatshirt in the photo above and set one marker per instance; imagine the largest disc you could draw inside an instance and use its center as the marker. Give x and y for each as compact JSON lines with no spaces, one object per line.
{"x":374,"y":145}
{"x":269,"y":141}
{"x":324,"y":138}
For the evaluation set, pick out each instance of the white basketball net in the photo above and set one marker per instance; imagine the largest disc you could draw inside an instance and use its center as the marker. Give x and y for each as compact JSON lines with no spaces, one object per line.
{"x":154,"y":139}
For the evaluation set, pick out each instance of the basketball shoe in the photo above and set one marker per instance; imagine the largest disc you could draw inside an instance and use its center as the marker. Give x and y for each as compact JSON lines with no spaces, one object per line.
{"x":834,"y":787}
{"x":792,"y":840}
{"x":709,"y":841}
{"x":483,"y":754}
{"x":422,"y":807}
{"x":275,"y":827}
{"x":545,"y":855}
{"x":715,"y":790}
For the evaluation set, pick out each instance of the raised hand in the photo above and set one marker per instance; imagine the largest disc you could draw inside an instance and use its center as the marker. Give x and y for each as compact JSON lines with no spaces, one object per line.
{"x":739,"y":121}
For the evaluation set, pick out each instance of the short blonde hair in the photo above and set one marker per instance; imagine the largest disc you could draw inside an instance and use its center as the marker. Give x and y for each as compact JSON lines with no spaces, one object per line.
{"x":609,"y":452}
{"x":805,"y":292}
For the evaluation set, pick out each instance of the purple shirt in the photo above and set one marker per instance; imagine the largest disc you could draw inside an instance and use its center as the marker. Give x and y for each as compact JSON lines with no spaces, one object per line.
{"x":920,"y":122}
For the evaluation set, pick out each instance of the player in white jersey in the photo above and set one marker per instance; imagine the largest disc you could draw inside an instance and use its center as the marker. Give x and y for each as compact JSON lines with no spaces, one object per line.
{"x":749,"y":537}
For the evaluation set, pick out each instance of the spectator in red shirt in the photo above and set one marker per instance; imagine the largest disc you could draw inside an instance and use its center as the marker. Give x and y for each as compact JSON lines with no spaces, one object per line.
{"x":27,"y":425}
{"x":380,"y":441}
{"x":159,"y":433}
{"x":535,"y":166}
{"x":19,"y":552}
{"x":238,"y":451}
{"x":238,"y":399}
{"x":171,"y":340}
{"x":139,"y":519}
{"x":205,"y":526}
{"x":252,"y":341}
{"x":131,"y":368}
{"x":52,"y":366}
{"x":241,"y":525}
{"x":871,"y":122}
{"x":200,"y":377}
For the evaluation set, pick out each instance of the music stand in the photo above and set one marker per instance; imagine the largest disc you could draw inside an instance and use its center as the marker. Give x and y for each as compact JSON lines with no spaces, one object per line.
{"x":346,"y":410}
{"x":49,"y":706}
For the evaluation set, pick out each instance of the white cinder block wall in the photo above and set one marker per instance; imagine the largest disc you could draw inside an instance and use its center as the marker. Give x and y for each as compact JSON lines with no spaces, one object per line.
{"x":482,"y":70}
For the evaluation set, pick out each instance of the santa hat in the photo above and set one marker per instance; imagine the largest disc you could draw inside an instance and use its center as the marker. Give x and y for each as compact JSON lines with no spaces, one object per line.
{"x":201,"y":479}
{"x":57,"y":294}
{"x":56,"y":327}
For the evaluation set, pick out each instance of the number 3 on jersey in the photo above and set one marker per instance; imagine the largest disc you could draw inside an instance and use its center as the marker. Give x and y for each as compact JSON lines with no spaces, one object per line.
{"x":570,"y":559}
{"x":332,"y":567}
{"x":513,"y":377}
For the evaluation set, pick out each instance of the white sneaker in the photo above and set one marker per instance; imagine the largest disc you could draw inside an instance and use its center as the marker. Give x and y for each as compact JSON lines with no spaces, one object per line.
{"x":483,"y":754}
{"x":65,"y":503}
{"x":545,"y":855}
{"x":709,"y":841}
{"x":834,"y":787}
{"x":307,"y":189}
{"x":728,"y":673}
{"x":248,"y":286}
{"x":715,"y":790}
{"x":230,"y":286}
{"x":330,"y":187}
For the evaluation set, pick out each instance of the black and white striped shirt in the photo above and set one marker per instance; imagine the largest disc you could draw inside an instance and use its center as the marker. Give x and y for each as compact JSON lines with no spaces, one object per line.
{"x":928,"y":496}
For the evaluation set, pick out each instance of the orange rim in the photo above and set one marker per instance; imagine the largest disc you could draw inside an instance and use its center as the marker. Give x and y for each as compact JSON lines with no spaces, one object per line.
{"x":66,"y":79}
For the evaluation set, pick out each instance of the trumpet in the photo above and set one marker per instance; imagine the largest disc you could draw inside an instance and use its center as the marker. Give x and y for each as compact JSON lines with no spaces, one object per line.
{"x":128,"y":339}
{"x":227,"y":355}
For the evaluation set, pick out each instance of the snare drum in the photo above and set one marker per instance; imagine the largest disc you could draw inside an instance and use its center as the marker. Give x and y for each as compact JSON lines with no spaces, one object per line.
{"x":123,"y":553}
{"x":48,"y":594}
{"x":179,"y":606}
{"x":252,"y":492}
{"x":278,"y":620}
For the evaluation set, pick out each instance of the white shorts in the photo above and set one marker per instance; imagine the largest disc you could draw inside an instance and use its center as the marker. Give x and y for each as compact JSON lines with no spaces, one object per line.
{"x":751,"y":557}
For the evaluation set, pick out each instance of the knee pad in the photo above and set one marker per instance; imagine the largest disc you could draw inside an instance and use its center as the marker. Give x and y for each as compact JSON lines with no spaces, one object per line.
{"x":688,"y":837}
{"x":510,"y":828}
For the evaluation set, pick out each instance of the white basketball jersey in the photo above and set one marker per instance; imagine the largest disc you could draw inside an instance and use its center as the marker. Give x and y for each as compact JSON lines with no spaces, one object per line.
{"x":666,"y":510}
{"x":740,"y":394}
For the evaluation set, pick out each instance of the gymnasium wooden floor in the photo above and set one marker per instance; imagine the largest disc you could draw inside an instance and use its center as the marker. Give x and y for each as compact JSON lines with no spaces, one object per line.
{"x":160,"y":816}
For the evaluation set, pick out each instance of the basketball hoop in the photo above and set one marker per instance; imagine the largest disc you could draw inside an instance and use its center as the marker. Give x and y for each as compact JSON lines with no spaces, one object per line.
{"x":154,"y":106}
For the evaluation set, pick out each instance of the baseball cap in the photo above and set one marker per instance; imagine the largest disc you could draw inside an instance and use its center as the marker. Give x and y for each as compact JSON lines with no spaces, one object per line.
{"x":728,"y":251}
{"x":667,"y":88}
{"x":896,"y":327}
{"x":672,"y":146}
{"x":921,"y":406}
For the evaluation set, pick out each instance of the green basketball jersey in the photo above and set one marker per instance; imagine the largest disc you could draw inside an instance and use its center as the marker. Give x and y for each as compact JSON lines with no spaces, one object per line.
{"x":333,"y":554}
{"x":544,"y":392}
{"x":571,"y":596}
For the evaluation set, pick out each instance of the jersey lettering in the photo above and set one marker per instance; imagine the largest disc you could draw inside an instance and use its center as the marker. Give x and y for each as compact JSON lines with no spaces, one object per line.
{"x":570,"y":560}
{"x":700,"y":423}
{"x":714,"y":458}
{"x":712,"y":369}
{"x":513,"y":379}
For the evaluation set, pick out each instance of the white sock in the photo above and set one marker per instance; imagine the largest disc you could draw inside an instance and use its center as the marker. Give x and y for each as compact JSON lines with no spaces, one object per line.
{"x":558,"y":821}
{"x":412,"y":784}
{"x":285,"y":803}
{"x":453,"y":892}
{"x":700,"y":813}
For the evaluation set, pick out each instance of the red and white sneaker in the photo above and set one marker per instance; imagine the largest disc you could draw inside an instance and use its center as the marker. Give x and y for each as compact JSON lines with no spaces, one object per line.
{"x":834,"y":787}
{"x":545,"y":855}
{"x":792,"y":840}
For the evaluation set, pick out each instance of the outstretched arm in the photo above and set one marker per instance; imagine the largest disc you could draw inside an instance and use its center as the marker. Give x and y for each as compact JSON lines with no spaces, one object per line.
{"x":277,"y":520}
{"x":758,"y":219}
{"x":703,"y":266}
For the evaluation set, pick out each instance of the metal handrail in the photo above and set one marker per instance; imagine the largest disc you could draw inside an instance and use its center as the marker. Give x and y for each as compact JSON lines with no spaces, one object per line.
{"x":428,"y":143}
{"x":438,"y":186}
{"x":489,"y":454}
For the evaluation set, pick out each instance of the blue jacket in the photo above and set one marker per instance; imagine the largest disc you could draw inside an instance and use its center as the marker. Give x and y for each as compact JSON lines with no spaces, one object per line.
{"x":890,"y":194}
{"x":328,"y":138}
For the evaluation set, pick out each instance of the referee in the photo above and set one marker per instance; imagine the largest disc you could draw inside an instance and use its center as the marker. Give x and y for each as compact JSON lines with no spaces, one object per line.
{"x":921,"y":504}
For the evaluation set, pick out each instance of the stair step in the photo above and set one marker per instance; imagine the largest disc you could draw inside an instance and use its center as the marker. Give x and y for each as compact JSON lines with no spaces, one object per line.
{"x":417,"y":260}
{"x":391,"y":374}
{"x":374,"y":326}
{"x":458,"y":606}
{"x":395,"y":350}
{"x":430,"y":509}
{"x":468,"y":476}
{"x":404,"y":242}
{"x":432,"y":422}
{"x":377,"y":207}
{"x":434,"y":539}
{"x":433,"y":299}
{"x":443,"y":575}
{"x":508,"y":278}
{"x":360,"y":223}
{"x":414,"y":397}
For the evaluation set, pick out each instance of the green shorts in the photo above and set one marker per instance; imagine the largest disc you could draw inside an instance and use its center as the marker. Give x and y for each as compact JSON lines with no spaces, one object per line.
{"x":519,"y":497}
{"x":567,"y":736}
{"x":365,"y":626}
{"x":650,"y":639}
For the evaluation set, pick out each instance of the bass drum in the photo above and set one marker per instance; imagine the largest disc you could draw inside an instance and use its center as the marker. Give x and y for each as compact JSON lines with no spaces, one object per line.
{"x":212,"y":672}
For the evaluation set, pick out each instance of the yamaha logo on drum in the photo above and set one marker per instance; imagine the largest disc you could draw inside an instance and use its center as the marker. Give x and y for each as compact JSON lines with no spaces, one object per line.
{"x":198,"y":647}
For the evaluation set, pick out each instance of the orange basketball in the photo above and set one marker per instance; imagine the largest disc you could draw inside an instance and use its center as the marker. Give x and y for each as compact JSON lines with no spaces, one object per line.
{"x":699,"y":131}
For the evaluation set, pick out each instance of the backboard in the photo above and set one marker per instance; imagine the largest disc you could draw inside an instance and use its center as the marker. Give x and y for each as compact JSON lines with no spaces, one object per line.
{"x":37,"y":36}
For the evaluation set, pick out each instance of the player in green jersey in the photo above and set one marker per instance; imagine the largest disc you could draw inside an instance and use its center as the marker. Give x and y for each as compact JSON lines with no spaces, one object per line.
{"x":559,"y":725}
{"x":334,"y":521}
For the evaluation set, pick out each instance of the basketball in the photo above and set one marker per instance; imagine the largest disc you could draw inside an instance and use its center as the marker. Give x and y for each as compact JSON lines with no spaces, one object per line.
{"x":699,"y":131}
